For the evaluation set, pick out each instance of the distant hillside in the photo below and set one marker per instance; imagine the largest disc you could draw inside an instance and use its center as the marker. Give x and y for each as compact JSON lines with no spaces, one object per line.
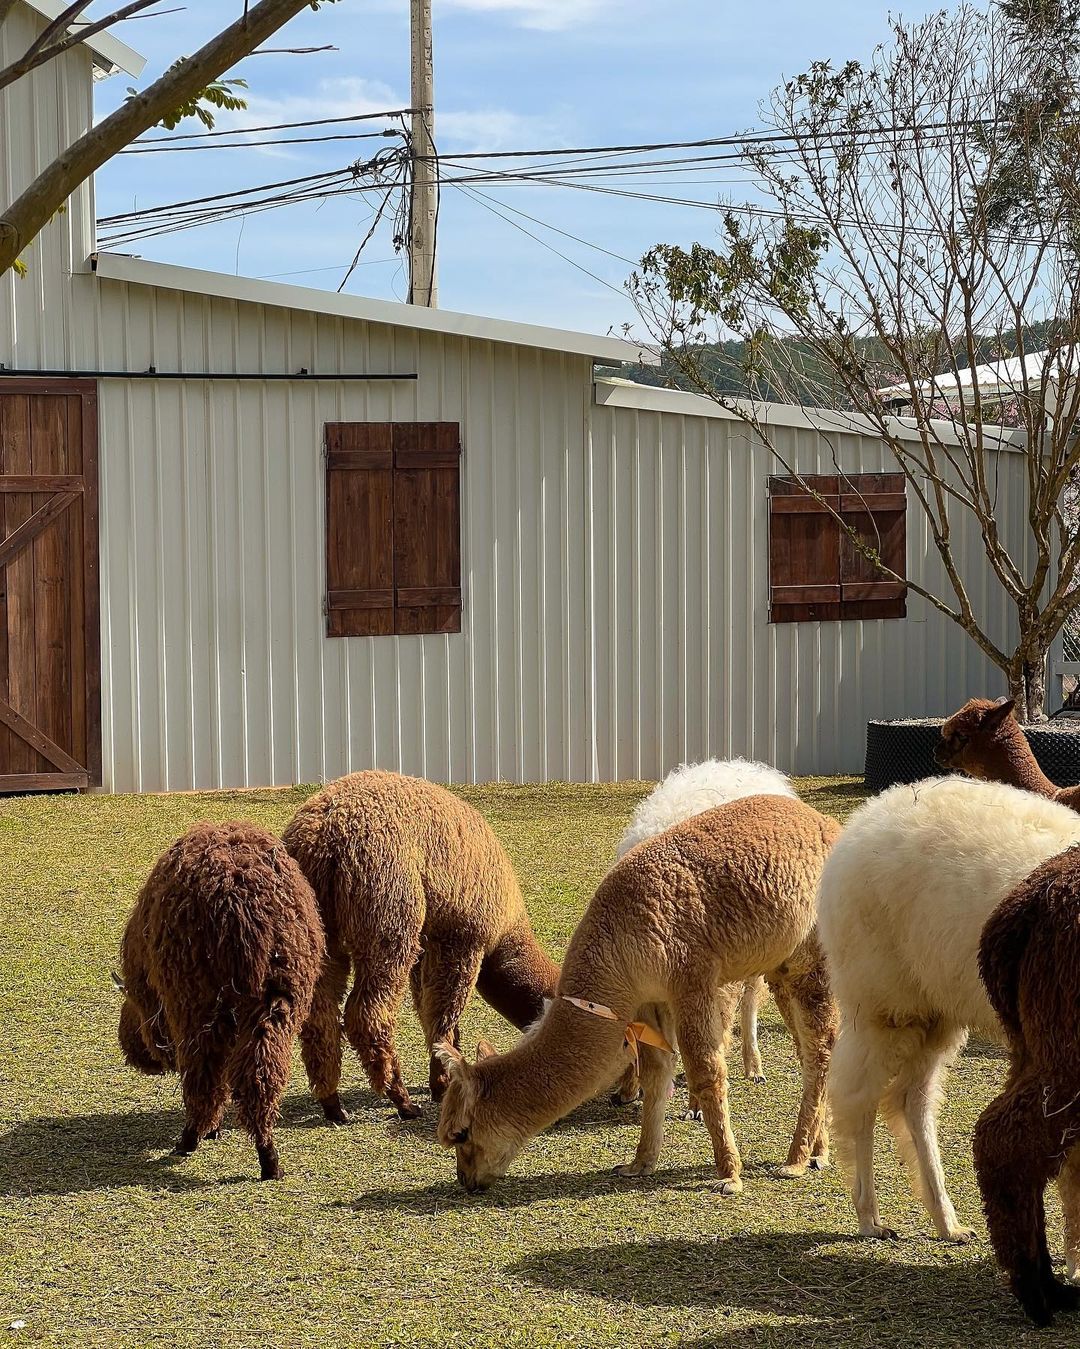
{"x":813,"y":384}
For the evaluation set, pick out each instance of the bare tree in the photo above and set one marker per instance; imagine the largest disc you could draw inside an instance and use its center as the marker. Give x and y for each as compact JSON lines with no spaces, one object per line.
{"x":178,"y":91}
{"x":917,"y":217}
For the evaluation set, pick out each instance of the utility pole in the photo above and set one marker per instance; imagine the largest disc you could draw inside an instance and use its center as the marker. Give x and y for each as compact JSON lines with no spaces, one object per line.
{"x":423,"y":282}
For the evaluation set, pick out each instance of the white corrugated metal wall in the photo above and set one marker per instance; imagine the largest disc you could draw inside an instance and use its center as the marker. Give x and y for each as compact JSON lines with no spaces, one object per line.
{"x":217,"y":670}
{"x":683,"y":661}
{"x":615,"y":555}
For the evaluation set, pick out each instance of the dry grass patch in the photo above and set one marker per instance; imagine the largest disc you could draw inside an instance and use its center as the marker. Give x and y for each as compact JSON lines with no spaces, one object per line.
{"x":105,"y":1239}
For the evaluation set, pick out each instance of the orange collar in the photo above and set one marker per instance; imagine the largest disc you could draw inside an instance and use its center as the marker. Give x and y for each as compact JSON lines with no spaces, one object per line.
{"x":635,"y":1033}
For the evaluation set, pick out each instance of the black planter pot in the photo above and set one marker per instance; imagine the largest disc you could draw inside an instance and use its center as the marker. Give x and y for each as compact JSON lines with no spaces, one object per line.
{"x":903,"y":751}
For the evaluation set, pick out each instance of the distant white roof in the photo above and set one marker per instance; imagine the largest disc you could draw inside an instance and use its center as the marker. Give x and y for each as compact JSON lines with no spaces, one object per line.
{"x":138,"y":271}
{"x":110,"y":55}
{"x":994,"y":379}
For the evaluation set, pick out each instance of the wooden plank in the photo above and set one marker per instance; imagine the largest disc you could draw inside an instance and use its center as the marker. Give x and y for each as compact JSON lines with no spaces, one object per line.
{"x":50,"y":384}
{"x":41,"y":519}
{"x":873,"y":502}
{"x":414,"y":597}
{"x":427,"y":527}
{"x":873,"y":590}
{"x":51,"y":451}
{"x":804,"y":505}
{"x":11,"y":428}
{"x":361,"y":599}
{"x":33,"y":735}
{"x":90,"y":617}
{"x":21,"y":682}
{"x":43,"y":782}
{"x":42,"y":482}
{"x":808,"y":594}
{"x":359,"y":529}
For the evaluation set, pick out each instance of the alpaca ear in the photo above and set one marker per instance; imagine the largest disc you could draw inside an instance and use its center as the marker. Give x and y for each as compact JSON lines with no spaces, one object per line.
{"x":997,"y":715}
{"x":451,"y":1059}
{"x":485,"y":1050}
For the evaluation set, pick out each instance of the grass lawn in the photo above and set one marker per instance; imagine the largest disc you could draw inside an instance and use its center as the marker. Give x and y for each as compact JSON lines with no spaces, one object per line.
{"x":106,"y":1239}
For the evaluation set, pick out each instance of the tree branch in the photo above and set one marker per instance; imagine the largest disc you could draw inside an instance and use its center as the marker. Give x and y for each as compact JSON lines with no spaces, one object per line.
{"x":44,"y":49}
{"x":22,"y":221}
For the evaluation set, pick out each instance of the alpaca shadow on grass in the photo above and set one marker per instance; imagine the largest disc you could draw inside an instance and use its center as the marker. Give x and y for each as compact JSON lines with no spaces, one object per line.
{"x":843,"y":1291}
{"x":73,"y":1154}
{"x":515,"y":1191}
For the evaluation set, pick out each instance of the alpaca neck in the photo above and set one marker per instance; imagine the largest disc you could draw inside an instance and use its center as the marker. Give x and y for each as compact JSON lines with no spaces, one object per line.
{"x":517,"y":975}
{"x":567,"y":1059}
{"x":1023,"y":769}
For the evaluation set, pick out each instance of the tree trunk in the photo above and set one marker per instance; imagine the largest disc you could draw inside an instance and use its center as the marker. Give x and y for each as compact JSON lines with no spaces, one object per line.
{"x":21,"y":222}
{"x":1027,"y":683}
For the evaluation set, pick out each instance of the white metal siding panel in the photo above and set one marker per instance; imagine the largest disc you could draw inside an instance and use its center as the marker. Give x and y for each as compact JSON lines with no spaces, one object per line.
{"x":685,"y":662}
{"x":218,"y":673}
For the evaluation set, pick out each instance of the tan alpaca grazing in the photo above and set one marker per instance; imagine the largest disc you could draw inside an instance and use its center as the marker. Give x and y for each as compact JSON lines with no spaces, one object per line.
{"x":984,"y":740}
{"x":415,"y":891}
{"x":672,"y":933}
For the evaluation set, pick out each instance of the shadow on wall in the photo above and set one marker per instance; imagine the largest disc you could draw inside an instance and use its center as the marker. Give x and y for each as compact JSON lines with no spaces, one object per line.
{"x":855,"y":1295}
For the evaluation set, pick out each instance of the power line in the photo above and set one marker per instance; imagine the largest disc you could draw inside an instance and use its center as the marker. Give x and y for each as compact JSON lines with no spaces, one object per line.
{"x":277,"y":126}
{"x":138,"y":149}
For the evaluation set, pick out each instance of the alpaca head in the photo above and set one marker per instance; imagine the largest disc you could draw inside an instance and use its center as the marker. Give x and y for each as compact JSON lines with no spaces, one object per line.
{"x":471,"y":1124}
{"x":980,"y":739}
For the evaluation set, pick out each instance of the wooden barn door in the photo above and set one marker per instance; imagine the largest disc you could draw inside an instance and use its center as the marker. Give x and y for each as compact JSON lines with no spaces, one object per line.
{"x":50,"y":700}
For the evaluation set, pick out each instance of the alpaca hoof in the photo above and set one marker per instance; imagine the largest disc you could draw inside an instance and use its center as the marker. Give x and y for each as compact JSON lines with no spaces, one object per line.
{"x":818,"y":1163}
{"x":409,"y":1111}
{"x":693,"y":1115}
{"x":213,"y":1135}
{"x":729,"y":1187}
{"x":757,"y":1079}
{"x":189,"y":1141}
{"x":961,"y":1236}
{"x":630,"y":1169}
{"x":878,"y":1233}
{"x":269,"y":1163}
{"x":334,"y":1111}
{"x":792,"y":1170}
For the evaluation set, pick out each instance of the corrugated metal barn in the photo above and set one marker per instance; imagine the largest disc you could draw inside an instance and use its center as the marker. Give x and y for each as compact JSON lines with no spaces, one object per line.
{"x":256,"y":534}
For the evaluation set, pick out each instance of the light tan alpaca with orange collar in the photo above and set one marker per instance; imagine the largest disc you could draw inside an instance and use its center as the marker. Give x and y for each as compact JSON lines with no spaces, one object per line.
{"x":672,"y":933}
{"x":984,"y":740}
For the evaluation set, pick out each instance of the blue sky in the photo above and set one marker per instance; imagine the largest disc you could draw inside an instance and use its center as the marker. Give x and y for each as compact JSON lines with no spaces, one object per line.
{"x":509,"y":74}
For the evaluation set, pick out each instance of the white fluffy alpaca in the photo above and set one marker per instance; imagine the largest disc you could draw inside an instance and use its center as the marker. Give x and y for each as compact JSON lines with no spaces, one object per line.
{"x":904,"y":896}
{"x":689,"y":790}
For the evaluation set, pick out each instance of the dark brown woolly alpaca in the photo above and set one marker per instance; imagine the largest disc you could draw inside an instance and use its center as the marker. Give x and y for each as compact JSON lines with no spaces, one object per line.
{"x":220,"y":958}
{"x":985,"y":741}
{"x":1029,"y":958}
{"x":415,"y":891}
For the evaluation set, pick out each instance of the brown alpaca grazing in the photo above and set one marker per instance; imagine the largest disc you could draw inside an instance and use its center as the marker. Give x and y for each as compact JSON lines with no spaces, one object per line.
{"x":220,"y":958}
{"x":984,"y":740}
{"x":1029,"y":958}
{"x":669,"y":938}
{"x":415,"y":891}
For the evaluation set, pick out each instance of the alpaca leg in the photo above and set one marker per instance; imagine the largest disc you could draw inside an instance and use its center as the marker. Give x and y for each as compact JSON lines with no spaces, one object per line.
{"x":916,"y":1094}
{"x":1013,"y":1149}
{"x":1069,"y":1188}
{"x":320,"y":1036}
{"x":754,"y":991}
{"x":204,"y":1084}
{"x":657,"y":1071}
{"x":448,"y":976}
{"x":259,"y":1069}
{"x":813,"y":1018}
{"x":371,"y":1011}
{"x":704,"y":1030}
{"x":860,"y":1070}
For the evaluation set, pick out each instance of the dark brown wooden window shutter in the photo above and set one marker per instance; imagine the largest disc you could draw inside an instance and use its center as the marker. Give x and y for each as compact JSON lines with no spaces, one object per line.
{"x":393,"y":528}
{"x":815,"y":569}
